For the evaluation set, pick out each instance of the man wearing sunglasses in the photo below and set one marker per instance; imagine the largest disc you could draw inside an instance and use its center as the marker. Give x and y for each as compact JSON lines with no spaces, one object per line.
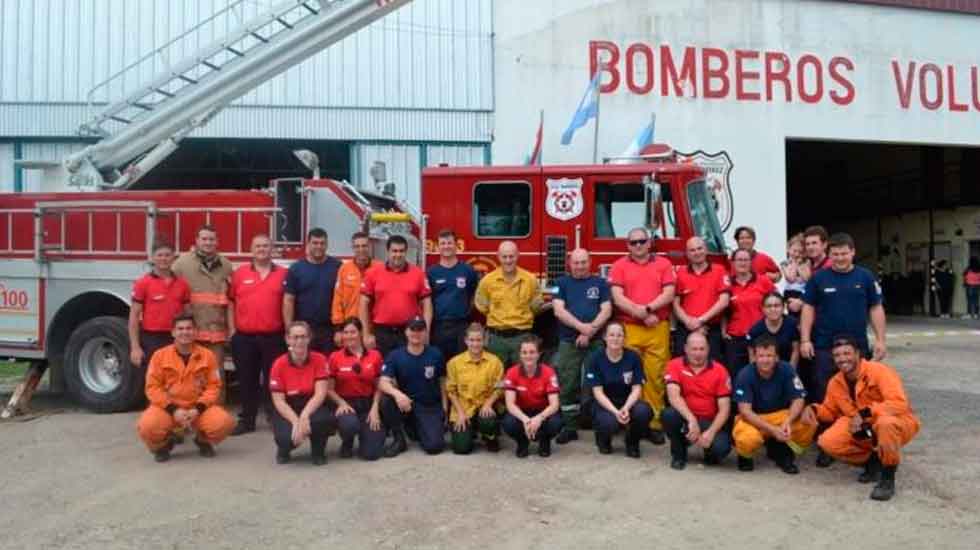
{"x":642,"y":288}
{"x":869,"y":415}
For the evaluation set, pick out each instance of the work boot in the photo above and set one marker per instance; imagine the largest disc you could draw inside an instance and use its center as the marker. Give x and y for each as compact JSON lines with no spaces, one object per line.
{"x":244,"y":427}
{"x":745,"y":464}
{"x":347,"y":449}
{"x":632,"y":447}
{"x":522,"y":449}
{"x":565,"y":436}
{"x":544,"y":448}
{"x":492,"y":445}
{"x":710,"y":459}
{"x":678,"y":463}
{"x":604,"y":442}
{"x":824,"y":460}
{"x":204,"y":448}
{"x":398,"y":444}
{"x":320,"y":458}
{"x":163,"y":453}
{"x":282,"y":457}
{"x":885,"y":489}
{"x":872,"y":470}
{"x":656,"y":436}
{"x":783,"y":456}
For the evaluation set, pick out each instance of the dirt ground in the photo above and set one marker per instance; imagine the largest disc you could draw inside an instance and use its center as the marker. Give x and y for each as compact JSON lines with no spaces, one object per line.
{"x":72,"y":479}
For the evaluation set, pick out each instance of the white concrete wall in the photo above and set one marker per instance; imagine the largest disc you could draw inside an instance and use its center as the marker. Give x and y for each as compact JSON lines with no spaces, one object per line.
{"x":543,"y":62}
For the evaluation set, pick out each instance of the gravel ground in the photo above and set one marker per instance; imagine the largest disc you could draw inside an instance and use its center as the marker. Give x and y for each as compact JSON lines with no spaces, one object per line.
{"x":72,"y":479}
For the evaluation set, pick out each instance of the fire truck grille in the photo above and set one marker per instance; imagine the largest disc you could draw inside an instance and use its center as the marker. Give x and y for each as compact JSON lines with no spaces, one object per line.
{"x":557,"y":250}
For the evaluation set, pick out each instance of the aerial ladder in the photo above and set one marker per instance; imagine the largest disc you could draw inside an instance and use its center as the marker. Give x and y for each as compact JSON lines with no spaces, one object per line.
{"x":140,"y":131}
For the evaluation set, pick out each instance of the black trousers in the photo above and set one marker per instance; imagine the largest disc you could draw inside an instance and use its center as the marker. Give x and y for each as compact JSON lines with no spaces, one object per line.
{"x":714,"y":342}
{"x":253,"y":355}
{"x":605,"y":424}
{"x":736,"y":355}
{"x":151,"y":342}
{"x":513,"y":427}
{"x":428,"y":422}
{"x":448,"y":335}
{"x":388,"y":338}
{"x":676,"y":429}
{"x":370,"y":442}
{"x":322,"y":426}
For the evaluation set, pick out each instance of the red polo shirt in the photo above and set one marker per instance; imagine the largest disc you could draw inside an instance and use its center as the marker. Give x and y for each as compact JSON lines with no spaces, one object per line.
{"x":395,"y":294}
{"x":699,"y":291}
{"x":745,"y":308}
{"x":642,"y":283}
{"x":297,"y":380}
{"x":258,"y":301}
{"x":348,"y":382}
{"x":702,"y":390}
{"x":163,"y":298}
{"x":825,"y":264}
{"x":532,"y":391}
{"x":762,"y":264}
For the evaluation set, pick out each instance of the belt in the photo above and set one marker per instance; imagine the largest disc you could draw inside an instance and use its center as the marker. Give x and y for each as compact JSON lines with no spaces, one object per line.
{"x":507,"y":332}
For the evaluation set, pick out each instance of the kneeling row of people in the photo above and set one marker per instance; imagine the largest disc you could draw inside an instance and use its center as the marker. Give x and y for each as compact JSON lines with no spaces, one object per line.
{"x":411,"y":390}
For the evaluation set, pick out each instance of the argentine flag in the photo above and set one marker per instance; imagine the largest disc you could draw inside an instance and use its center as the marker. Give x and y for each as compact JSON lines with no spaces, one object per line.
{"x":587,"y":108}
{"x":644,"y":138}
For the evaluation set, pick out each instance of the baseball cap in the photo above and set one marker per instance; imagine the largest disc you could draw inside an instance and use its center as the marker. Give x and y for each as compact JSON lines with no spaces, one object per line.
{"x":417,"y":324}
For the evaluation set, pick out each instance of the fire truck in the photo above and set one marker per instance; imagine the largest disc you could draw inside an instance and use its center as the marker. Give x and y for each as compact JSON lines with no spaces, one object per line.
{"x":68,"y":259}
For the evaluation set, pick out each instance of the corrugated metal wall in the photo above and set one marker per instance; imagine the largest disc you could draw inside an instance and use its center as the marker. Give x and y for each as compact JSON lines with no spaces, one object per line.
{"x":6,"y":167}
{"x":404,"y":164}
{"x":433,"y":56}
{"x":33,"y":179}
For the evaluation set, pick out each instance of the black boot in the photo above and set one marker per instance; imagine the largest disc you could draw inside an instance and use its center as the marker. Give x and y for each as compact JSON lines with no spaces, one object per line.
{"x":282,"y":456}
{"x":885,"y":489}
{"x":163,"y":453}
{"x":632,"y":447}
{"x":565,"y":436}
{"x":522,"y":449}
{"x":544,"y":448}
{"x":604,"y":442}
{"x":244,"y":427}
{"x":204,"y":448}
{"x":656,"y":436}
{"x":347,"y":448}
{"x":872,"y":470}
{"x":824,"y":460}
{"x":783,"y":456}
{"x":745,"y":464}
{"x":397,"y":445}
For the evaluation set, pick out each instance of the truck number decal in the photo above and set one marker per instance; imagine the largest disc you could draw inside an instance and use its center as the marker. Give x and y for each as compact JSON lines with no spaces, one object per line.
{"x":13,"y":299}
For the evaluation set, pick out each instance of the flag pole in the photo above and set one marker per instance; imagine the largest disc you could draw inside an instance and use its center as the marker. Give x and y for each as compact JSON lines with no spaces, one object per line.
{"x":598,"y":101}
{"x":541,"y":129}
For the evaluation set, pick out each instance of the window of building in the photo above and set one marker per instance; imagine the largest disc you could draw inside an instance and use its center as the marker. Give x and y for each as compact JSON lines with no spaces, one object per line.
{"x":502,"y":209}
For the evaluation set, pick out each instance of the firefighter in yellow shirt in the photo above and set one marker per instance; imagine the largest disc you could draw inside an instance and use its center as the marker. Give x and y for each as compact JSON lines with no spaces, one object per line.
{"x":510,"y":298}
{"x":473,"y":387}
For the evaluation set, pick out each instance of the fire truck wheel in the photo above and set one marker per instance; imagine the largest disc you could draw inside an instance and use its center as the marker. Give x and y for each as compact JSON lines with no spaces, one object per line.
{"x":97,"y":369}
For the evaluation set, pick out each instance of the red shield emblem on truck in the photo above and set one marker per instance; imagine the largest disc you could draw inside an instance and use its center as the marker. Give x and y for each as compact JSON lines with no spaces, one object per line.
{"x":564,"y":199}
{"x":718,"y":171}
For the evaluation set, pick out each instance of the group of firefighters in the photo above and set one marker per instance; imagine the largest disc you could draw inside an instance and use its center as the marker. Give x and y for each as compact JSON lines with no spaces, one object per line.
{"x":382,"y":352}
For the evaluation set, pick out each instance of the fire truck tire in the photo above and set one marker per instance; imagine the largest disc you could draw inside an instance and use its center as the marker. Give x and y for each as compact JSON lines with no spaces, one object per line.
{"x":97,"y":370}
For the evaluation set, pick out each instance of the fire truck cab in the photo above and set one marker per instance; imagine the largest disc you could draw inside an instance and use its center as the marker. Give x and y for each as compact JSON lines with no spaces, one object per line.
{"x":551,"y":210}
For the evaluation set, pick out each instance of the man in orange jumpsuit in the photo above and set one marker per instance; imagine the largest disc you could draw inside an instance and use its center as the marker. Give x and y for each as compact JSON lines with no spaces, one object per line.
{"x":869,"y":415}
{"x":182,"y":386}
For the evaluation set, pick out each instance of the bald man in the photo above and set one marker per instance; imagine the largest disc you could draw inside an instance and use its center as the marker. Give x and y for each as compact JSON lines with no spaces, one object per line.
{"x":510,"y":298}
{"x":703,"y":291}
{"x":582,"y":307}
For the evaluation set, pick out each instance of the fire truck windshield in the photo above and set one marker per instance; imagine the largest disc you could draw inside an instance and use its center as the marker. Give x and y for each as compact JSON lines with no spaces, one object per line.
{"x":704,"y":217}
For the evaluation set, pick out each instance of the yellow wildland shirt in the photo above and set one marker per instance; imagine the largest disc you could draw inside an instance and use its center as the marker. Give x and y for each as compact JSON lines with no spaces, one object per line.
{"x":472,"y":381}
{"x":509,"y":304}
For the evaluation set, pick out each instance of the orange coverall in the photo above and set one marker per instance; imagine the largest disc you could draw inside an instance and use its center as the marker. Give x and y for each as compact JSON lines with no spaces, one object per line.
{"x":878,"y":388}
{"x":171,"y":382}
{"x":347,"y":292}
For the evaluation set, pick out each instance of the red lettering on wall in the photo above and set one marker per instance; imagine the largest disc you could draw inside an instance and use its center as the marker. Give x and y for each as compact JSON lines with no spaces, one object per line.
{"x":742,"y":76}
{"x":668,"y":72}
{"x":610,"y":63}
{"x":781,"y":74}
{"x":646,"y":62}
{"x":719,"y":73}
{"x":801,"y":65}
{"x":951,"y":79}
{"x":847,"y":96}
{"x":931,"y":104}
{"x":903,"y":84}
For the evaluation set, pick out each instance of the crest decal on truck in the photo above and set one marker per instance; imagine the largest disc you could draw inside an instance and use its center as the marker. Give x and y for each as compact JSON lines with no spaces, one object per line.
{"x":718,"y":169}
{"x":564,"y":199}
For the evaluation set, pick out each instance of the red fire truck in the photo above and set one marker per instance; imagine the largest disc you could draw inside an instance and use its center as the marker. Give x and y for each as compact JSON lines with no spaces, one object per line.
{"x":68,"y":259}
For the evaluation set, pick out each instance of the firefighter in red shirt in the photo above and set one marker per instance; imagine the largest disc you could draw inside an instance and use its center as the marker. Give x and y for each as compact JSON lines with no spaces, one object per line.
{"x":157,"y":298}
{"x":703,"y":291}
{"x":749,"y":289}
{"x":762,"y":264}
{"x":255,"y":302}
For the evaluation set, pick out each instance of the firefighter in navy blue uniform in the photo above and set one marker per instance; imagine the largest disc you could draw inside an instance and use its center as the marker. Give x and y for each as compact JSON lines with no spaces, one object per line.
{"x":309,"y":289}
{"x":615,"y":375}
{"x":453,"y":285}
{"x":838,"y":301}
{"x":413,"y":384}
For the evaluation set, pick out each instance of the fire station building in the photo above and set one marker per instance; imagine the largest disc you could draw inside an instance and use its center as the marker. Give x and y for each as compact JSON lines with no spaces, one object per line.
{"x":863,"y":116}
